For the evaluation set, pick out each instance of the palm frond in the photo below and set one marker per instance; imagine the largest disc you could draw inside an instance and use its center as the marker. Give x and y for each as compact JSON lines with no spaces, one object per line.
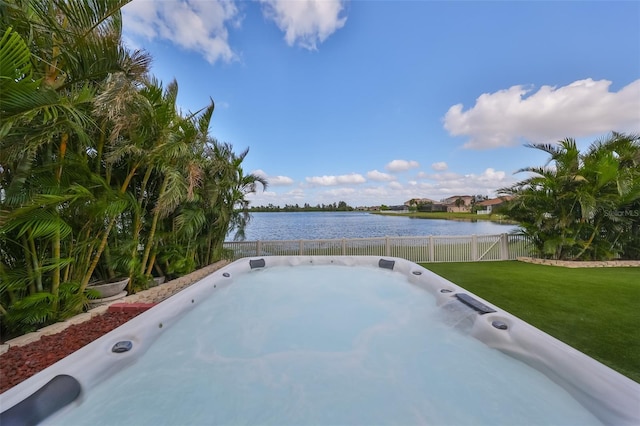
{"x":15,"y":61}
{"x":175,"y":191}
{"x":190,"y":221}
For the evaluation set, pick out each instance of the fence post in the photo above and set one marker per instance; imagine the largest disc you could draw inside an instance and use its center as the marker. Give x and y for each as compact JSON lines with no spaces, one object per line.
{"x":448,"y":251}
{"x":432,"y":250}
{"x":504,"y":247}
{"x":474,"y":248}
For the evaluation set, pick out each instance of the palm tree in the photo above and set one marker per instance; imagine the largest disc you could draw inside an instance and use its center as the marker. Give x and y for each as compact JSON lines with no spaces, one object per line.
{"x":101,"y":174}
{"x":568,"y":208}
{"x":54,"y":55}
{"x":181,"y":175}
{"x":612,"y":168}
{"x":230,"y":208}
{"x":143,"y":124}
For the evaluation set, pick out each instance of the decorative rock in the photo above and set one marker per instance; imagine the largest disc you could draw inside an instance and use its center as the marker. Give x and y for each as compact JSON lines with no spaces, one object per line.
{"x":130,"y":307}
{"x":168,"y":290}
{"x":23,"y":361}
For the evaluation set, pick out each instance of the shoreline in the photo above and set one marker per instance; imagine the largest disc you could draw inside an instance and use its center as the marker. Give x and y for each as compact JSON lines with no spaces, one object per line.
{"x":462,"y":217}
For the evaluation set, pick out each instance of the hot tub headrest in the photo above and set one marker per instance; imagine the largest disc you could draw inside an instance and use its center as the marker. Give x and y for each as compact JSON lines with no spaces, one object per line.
{"x":257,"y":263}
{"x":480,"y":307}
{"x":388,"y":264}
{"x":57,"y":393}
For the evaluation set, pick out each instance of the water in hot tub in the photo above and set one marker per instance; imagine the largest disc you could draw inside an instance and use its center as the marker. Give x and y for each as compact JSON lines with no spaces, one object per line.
{"x":323,"y":345}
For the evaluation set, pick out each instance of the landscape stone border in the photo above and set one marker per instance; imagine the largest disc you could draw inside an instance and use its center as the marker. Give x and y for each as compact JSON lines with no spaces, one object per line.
{"x":582,"y":264}
{"x":151,"y":296}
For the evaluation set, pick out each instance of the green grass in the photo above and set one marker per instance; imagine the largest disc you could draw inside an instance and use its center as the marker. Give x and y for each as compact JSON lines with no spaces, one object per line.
{"x":595,"y":310}
{"x":471,"y":217}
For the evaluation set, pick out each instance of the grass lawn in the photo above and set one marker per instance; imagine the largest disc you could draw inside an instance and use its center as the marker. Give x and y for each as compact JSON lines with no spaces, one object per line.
{"x":472,"y":217}
{"x":595,"y":310}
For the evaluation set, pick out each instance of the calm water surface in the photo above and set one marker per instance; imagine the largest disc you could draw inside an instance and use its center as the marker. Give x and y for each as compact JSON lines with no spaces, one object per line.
{"x":323,"y":345}
{"x":324,"y":225}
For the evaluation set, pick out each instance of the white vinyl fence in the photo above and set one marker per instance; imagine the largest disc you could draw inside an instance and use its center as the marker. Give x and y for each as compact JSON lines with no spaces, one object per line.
{"x":467,"y":248}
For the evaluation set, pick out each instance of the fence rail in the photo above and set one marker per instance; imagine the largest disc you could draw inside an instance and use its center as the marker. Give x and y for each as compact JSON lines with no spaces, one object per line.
{"x":467,"y":248}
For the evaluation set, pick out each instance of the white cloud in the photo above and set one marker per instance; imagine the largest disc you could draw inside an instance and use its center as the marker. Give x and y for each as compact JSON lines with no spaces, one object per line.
{"x":335,"y":195}
{"x":491,"y":175}
{"x":200,"y":26}
{"x":353,"y":178}
{"x":260,"y":172}
{"x":280,"y":180}
{"x":271,"y":196}
{"x":274,"y":180}
{"x":449,"y":183}
{"x":582,"y":108}
{"x":378,"y":194}
{"x":295,"y":196}
{"x":440,"y":166}
{"x":357,"y":190}
{"x":439,"y":176}
{"x":305,"y":22}
{"x":401,"y":165}
{"x":380,"y":176}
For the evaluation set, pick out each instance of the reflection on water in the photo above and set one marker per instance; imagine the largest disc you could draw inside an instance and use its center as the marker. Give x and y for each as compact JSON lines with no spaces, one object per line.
{"x":326,"y":225}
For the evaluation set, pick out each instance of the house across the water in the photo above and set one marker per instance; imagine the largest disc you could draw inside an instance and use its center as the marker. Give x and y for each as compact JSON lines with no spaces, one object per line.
{"x":487,"y":206}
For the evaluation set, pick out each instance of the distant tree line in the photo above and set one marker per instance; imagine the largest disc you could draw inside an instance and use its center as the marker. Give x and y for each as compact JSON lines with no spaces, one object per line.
{"x":341,"y":206}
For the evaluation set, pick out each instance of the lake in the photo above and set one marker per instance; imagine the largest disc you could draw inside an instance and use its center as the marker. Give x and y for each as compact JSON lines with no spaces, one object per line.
{"x":328,"y":225}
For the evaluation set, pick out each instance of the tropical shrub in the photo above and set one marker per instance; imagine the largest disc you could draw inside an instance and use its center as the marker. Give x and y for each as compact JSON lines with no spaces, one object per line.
{"x":101,"y":175}
{"x":582,"y":206}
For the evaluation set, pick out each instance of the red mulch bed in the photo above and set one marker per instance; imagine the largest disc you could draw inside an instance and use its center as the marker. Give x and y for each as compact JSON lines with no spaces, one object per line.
{"x":22,"y":362}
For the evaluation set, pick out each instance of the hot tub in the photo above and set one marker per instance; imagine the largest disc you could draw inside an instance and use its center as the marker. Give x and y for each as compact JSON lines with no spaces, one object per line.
{"x":325,"y":340}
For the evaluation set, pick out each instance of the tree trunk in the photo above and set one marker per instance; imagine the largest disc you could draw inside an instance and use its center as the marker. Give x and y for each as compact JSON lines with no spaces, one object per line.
{"x":28,"y":265}
{"x":96,"y":257}
{"x":36,"y":267}
{"x":152,"y":231}
{"x":55,"y":277}
{"x":152,"y":262}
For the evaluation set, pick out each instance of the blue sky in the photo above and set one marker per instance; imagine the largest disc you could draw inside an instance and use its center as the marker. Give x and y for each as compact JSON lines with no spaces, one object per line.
{"x":377,"y":102}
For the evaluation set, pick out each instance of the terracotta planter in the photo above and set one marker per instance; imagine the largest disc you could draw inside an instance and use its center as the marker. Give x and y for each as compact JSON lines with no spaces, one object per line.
{"x":108,"y":289}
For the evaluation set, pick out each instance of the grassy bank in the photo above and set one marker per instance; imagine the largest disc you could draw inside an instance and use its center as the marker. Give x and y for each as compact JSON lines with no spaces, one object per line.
{"x":595,"y":310}
{"x":471,"y":217}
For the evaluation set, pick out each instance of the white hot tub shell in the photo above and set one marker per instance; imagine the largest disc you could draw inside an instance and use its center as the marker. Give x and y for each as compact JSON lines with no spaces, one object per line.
{"x":611,"y":397}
